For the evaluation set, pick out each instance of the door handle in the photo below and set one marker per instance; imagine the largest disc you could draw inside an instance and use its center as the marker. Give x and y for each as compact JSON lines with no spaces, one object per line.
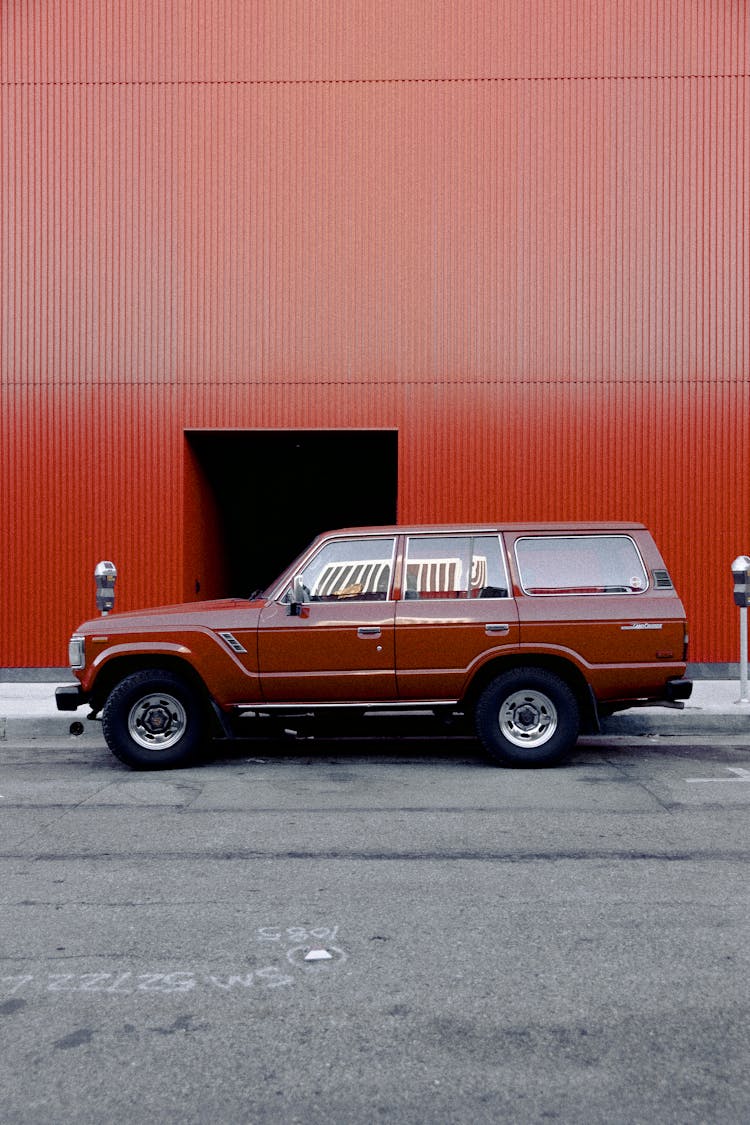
{"x":368,"y":631}
{"x":497,"y":630}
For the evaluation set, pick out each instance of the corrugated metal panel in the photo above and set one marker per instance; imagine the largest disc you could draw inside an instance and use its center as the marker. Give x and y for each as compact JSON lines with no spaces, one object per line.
{"x":354,"y":40}
{"x":440,"y":231}
{"x":517,"y":233}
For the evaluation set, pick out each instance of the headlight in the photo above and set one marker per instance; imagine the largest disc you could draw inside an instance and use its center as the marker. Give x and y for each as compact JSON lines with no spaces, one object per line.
{"x":77,"y":652}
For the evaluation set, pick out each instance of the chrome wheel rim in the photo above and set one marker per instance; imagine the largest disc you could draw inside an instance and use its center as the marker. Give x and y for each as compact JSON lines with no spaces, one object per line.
{"x":157,"y":721}
{"x":528,"y":718}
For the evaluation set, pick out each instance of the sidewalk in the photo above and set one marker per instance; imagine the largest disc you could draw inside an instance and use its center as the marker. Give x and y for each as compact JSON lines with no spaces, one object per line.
{"x":28,"y":714}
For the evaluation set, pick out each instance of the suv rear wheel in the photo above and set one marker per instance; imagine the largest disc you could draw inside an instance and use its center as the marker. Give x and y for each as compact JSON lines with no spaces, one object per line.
{"x":527,"y":717}
{"x":153,"y":720}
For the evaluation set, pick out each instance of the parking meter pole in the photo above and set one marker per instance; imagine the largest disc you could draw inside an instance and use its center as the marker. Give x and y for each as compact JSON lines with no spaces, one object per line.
{"x":743,"y":656}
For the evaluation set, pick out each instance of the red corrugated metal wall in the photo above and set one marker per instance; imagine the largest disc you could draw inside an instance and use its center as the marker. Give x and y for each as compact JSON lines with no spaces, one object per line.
{"x":518,"y":233}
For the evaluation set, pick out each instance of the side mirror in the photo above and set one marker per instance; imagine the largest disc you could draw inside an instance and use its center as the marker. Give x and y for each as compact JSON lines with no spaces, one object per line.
{"x":298,"y":595}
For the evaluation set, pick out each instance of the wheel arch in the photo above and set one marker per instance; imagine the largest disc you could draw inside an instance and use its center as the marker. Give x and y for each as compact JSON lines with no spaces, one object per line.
{"x":116,"y":669}
{"x":565,"y":669}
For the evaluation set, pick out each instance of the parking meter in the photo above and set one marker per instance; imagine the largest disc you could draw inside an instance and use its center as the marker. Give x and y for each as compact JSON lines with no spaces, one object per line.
{"x":105,"y":576}
{"x":741,"y":578}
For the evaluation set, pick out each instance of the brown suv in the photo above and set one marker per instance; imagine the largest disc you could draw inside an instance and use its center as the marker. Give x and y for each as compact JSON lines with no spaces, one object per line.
{"x":533,"y":630}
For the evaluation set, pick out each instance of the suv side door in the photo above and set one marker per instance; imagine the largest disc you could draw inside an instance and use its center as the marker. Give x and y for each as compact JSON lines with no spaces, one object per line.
{"x":338,"y":645}
{"x":455,"y":611}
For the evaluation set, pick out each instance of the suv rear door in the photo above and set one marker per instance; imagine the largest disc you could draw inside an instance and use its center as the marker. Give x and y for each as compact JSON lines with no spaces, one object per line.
{"x":455,"y":610}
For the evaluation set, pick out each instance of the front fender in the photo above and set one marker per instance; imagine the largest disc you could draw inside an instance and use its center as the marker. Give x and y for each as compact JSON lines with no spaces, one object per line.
{"x":204,"y":658}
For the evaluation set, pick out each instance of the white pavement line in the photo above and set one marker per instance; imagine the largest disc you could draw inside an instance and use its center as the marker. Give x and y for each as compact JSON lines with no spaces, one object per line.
{"x":742,"y":775}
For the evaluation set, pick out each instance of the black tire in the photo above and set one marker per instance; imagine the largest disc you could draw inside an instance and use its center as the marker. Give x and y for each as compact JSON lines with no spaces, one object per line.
{"x":153,"y":721}
{"x":527,"y":717}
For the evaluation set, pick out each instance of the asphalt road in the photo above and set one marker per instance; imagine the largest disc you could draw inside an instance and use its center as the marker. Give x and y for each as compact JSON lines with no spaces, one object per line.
{"x":366,"y":932}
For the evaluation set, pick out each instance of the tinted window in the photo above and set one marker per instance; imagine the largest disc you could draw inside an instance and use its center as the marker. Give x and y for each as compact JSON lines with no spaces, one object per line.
{"x":454,"y":567}
{"x":355,"y":569}
{"x":580,"y":564}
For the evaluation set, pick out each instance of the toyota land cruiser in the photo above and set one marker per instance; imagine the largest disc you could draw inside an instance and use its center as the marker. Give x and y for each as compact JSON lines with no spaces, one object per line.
{"x":533,"y":631}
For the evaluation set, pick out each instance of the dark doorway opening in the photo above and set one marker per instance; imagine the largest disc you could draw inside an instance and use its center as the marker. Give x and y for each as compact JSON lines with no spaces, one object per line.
{"x":271,"y":491}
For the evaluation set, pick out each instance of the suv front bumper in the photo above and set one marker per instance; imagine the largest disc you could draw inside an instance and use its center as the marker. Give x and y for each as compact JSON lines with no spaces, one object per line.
{"x":69,"y":697}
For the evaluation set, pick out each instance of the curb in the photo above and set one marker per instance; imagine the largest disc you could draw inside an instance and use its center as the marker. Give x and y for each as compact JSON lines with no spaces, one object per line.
{"x":49,"y":728}
{"x":680,"y":724}
{"x":635,"y":723}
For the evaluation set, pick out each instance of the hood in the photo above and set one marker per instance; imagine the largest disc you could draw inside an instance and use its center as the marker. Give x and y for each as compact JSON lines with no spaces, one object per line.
{"x":184,"y":613}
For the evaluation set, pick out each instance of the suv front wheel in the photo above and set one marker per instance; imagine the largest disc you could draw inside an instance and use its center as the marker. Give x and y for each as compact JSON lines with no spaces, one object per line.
{"x":153,"y":720}
{"x":527,"y":717}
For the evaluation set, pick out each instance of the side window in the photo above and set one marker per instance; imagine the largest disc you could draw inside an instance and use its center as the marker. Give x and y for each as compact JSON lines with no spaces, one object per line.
{"x":351,"y":569}
{"x":488,"y":576}
{"x":454,"y":567}
{"x":582,"y":564}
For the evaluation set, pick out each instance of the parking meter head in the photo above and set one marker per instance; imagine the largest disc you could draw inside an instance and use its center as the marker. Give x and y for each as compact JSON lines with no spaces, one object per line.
{"x":105,"y":576}
{"x":741,"y":580}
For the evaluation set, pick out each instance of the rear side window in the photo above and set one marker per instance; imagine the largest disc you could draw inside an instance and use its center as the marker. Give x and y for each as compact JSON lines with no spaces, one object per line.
{"x":442,"y":567}
{"x":580,"y":564}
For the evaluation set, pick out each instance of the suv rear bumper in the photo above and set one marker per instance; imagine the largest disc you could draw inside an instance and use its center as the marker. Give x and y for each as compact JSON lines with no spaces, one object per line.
{"x":69,"y":697}
{"x":677,"y":690}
